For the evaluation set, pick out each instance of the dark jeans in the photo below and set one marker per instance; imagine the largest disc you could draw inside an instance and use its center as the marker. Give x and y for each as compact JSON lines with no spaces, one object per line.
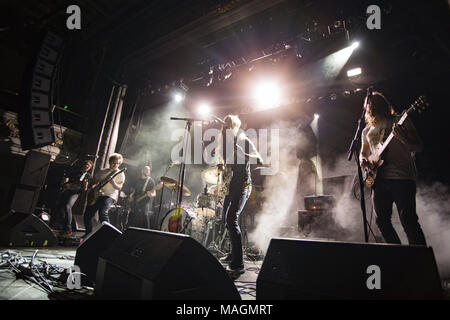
{"x":403,"y":194}
{"x":232,"y":207}
{"x":102,"y":205}
{"x":67,"y":201}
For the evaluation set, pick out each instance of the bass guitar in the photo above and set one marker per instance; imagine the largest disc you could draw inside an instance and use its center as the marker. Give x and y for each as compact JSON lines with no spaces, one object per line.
{"x":93,"y":193}
{"x":375,"y":158}
{"x":148,"y":193}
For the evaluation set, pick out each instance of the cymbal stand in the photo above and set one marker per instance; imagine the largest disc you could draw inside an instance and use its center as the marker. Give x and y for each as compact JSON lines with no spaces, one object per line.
{"x":214,"y":246}
{"x":162,"y":192}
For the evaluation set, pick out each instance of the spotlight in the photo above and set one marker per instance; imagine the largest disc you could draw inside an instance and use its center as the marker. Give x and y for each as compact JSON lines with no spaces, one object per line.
{"x":44,"y":216}
{"x":354,"y":72}
{"x":178,"y":97}
{"x":333,"y":64}
{"x":316,"y":116}
{"x":267,"y":95}
{"x":204,"y":109}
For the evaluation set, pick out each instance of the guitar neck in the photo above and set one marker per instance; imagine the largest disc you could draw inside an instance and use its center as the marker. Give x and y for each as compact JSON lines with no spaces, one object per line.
{"x":391,"y":135}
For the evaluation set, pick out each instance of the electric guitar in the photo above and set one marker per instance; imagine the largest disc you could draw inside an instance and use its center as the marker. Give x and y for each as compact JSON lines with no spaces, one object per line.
{"x":72,"y":185}
{"x":375,"y":159}
{"x":93,"y":193}
{"x":148,"y":193}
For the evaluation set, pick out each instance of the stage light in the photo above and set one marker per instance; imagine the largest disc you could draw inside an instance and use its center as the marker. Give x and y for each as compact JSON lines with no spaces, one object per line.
{"x":267,"y":95}
{"x":333,"y":64}
{"x":316,"y":116}
{"x":44,"y":216}
{"x":355,"y":45}
{"x":354,"y":72}
{"x":178,"y":97}
{"x":204,"y":109}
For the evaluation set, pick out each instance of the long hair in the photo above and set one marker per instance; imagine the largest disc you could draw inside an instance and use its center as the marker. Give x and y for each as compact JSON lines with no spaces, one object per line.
{"x":235,"y":121}
{"x":378,"y":109}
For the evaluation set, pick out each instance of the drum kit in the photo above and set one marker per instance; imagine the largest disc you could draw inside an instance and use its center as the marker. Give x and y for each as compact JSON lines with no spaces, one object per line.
{"x":201,"y":219}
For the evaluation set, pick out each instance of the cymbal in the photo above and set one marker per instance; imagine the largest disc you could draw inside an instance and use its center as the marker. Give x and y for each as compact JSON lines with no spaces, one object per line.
{"x":210,"y":175}
{"x":186,"y":191}
{"x":168,"y":181}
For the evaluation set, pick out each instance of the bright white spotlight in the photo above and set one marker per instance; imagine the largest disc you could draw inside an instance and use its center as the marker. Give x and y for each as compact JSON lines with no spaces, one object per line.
{"x":204,"y":109}
{"x":355,"y":44}
{"x":267,"y":95}
{"x":333,"y":64}
{"x":354,"y":72}
{"x":178,"y":97}
{"x":316,"y":116}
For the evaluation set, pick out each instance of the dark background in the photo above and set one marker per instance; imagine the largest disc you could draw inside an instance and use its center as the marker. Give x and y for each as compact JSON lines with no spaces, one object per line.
{"x":152,"y":46}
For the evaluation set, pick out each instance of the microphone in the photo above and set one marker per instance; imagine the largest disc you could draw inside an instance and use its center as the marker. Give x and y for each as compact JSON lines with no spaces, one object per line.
{"x":368,"y":95}
{"x":218,"y":119}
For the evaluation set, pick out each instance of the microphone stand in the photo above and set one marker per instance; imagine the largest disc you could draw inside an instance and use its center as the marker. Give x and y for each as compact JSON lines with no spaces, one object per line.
{"x":161,"y":196}
{"x":180,"y":186}
{"x":353,"y":150}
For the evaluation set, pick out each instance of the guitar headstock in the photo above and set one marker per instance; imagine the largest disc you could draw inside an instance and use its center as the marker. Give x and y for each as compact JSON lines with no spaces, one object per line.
{"x":419,"y":105}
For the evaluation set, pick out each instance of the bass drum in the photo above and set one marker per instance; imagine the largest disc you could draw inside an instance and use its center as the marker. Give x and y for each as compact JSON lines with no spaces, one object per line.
{"x":177,"y":220}
{"x":186,"y":221}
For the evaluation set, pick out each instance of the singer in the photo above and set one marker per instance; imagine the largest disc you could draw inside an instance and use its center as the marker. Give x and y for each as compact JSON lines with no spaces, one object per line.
{"x":239,"y":186}
{"x":396,"y":177}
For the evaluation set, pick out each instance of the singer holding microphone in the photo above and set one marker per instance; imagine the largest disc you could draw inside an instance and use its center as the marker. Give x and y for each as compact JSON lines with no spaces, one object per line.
{"x":237,"y":150}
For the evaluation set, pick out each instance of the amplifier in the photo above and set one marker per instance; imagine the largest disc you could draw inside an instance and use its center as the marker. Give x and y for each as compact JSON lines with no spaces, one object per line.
{"x":319,"y":202}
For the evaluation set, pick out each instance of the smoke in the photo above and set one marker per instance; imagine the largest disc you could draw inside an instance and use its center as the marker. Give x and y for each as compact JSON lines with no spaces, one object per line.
{"x":155,"y":142}
{"x":278,"y":194}
{"x":432,"y":206}
{"x":433,"y":203}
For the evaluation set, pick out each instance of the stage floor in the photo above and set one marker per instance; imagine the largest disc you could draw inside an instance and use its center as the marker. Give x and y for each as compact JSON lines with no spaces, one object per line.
{"x":14,"y":288}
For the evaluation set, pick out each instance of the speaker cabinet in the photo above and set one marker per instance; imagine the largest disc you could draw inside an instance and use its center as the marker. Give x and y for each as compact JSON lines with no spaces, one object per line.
{"x":35,"y":169}
{"x":89,"y":251}
{"x":25,"y":230}
{"x":301,"y":269}
{"x":35,"y":114}
{"x":148,"y":264}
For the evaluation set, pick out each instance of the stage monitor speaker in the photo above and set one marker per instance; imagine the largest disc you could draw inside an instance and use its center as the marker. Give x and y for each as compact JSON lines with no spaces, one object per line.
{"x":300,"y":269}
{"x":25,"y":230}
{"x":156,"y":265}
{"x":35,"y":169}
{"x":86,"y":257}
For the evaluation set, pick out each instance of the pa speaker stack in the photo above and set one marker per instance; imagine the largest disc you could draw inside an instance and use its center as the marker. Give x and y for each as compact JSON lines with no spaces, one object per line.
{"x":35,"y":113}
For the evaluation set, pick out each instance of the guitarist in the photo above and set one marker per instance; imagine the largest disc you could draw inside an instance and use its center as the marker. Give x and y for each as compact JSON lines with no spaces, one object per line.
{"x":108,"y":194}
{"x":141,"y":207}
{"x":396,"y":176}
{"x":72,"y":186}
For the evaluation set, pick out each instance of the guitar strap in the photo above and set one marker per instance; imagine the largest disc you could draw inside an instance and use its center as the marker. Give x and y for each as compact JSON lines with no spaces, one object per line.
{"x":145,"y":184}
